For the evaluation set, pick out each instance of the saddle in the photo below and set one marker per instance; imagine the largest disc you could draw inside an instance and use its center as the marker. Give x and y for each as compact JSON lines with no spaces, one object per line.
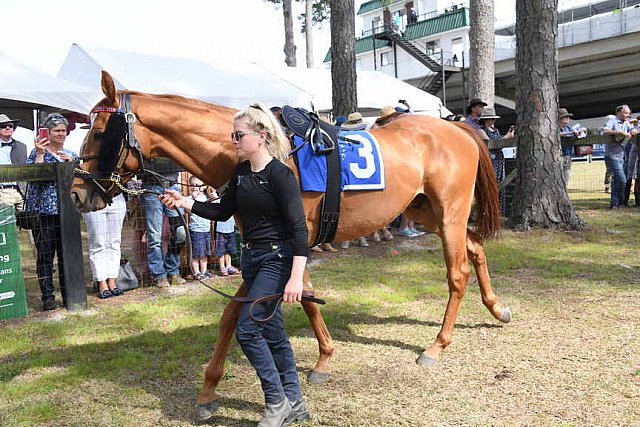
{"x":309,"y":127}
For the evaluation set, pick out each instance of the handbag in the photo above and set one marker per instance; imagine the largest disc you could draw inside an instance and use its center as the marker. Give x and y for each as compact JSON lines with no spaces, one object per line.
{"x":583,"y":150}
{"x":127,"y":279}
{"x":26,"y":220}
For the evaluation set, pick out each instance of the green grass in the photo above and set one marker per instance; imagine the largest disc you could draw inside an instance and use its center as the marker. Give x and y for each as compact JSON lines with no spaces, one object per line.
{"x":145,"y":357}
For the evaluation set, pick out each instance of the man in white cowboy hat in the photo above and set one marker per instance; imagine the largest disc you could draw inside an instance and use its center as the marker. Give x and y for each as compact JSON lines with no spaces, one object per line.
{"x":12,"y":152}
{"x":566,"y":131}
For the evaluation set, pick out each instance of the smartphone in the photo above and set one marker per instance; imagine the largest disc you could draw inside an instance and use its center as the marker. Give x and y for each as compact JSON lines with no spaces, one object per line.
{"x":43,"y":133}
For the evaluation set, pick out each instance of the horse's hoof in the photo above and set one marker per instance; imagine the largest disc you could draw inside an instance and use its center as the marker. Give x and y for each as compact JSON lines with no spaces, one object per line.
{"x":506,"y":315}
{"x":206,"y":411}
{"x":318,"y":377}
{"x":424,"y":360}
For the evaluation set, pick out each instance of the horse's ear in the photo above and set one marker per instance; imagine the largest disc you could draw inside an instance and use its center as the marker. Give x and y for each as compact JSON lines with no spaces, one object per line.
{"x":109,"y":88}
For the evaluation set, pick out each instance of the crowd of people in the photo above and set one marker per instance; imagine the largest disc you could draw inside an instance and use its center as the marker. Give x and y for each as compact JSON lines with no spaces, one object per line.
{"x":162,"y":261}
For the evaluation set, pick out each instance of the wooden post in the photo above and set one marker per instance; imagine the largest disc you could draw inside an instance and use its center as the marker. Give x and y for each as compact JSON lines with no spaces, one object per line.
{"x":72,"y":241}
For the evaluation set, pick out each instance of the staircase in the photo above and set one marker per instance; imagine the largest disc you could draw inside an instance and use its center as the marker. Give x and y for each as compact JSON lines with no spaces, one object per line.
{"x":431,"y":83}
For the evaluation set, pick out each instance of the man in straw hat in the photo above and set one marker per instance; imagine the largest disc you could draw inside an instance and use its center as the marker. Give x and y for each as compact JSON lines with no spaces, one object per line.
{"x":354,"y":122}
{"x":12,"y":152}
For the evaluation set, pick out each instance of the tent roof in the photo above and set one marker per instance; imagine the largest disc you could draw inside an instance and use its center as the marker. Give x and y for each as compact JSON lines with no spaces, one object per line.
{"x":231,"y":83}
{"x":23,"y":89}
{"x":375,"y":90}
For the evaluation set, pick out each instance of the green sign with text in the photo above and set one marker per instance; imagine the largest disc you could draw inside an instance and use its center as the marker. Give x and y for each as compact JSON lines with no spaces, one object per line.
{"x":13,"y":301}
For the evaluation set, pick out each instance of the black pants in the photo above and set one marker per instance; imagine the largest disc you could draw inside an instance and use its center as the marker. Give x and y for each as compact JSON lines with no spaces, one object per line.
{"x":48,"y":239}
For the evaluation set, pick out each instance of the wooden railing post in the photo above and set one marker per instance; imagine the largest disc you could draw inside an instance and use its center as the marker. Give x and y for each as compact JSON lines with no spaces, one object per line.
{"x":71,"y":240}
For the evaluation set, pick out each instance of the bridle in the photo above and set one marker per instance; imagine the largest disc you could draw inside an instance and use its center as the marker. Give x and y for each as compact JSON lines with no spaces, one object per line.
{"x":117,"y":179}
{"x":110,"y":183}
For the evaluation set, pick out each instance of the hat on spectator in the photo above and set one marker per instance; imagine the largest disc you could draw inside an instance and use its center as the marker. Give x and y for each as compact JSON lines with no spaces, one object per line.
{"x":563,"y":112}
{"x":5,"y":119}
{"x":476,"y":101}
{"x":489,"y":113}
{"x":386,"y":111}
{"x":354,"y":122}
{"x":340,"y":120}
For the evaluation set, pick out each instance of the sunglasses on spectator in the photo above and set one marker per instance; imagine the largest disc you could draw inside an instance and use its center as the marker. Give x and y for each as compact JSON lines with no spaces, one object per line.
{"x":237,"y":135}
{"x":7,"y":125}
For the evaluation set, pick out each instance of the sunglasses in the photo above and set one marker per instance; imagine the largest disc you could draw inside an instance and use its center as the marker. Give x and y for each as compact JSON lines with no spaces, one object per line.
{"x":237,"y":135}
{"x":7,"y":125}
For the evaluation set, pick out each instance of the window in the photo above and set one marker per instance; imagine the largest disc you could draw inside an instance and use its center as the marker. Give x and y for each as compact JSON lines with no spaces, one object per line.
{"x":385,"y":59}
{"x":432,"y":46}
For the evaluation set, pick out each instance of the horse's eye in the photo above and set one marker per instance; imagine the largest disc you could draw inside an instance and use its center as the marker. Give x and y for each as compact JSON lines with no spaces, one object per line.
{"x":98,"y":135}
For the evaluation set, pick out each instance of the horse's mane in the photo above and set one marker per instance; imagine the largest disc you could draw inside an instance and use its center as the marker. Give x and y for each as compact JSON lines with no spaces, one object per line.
{"x":183,"y":101}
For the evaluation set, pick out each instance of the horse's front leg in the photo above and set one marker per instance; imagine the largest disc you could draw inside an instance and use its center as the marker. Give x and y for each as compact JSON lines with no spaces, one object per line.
{"x":320,"y":373}
{"x":455,"y":252}
{"x":208,"y":399}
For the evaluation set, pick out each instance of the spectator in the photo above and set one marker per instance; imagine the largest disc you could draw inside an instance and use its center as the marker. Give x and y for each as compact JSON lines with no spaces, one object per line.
{"x":413,"y":16}
{"x":226,"y":245}
{"x":42,"y":201}
{"x":474,"y":111}
{"x":354,"y":122}
{"x":105,"y":234}
{"x":200,"y":232}
{"x":566,"y":131}
{"x":12,"y":152}
{"x":164,"y":267}
{"x":265,"y":194}
{"x":632,"y":169}
{"x":397,"y":24}
{"x":616,"y":134}
{"x":488,"y":121}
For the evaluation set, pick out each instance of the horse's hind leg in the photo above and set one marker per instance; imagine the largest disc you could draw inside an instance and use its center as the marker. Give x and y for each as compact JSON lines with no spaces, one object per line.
{"x":208,"y":399}
{"x":453,"y":237}
{"x":475,"y":251}
{"x":320,"y":373}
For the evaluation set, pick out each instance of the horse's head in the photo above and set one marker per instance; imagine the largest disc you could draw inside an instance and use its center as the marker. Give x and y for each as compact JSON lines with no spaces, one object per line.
{"x":105,"y":154}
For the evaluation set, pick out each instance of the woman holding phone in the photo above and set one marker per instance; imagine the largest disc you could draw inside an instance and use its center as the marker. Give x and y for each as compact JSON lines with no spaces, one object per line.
{"x":42,"y":200}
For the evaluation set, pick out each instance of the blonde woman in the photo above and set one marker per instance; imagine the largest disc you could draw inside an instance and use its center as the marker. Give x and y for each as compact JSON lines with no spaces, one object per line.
{"x":265,"y":194}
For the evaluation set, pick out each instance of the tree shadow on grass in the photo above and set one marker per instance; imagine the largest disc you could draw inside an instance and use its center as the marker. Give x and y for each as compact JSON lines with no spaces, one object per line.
{"x":141,"y":361}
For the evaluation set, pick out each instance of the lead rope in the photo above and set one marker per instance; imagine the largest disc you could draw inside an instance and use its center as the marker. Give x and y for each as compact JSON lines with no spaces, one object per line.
{"x":306,"y":295}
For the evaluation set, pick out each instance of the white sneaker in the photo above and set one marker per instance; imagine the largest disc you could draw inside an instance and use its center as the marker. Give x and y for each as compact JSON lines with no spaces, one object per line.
{"x":344,"y":245}
{"x":363,"y":242}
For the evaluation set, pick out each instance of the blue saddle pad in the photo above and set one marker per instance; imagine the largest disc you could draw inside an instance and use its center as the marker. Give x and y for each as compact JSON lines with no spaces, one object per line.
{"x":362,"y":167}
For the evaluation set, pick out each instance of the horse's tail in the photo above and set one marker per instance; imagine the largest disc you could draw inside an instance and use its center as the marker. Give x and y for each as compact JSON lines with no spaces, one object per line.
{"x":486,"y":189}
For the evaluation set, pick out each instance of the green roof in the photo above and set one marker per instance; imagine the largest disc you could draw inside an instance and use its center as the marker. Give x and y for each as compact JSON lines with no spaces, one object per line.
{"x":364,"y":44}
{"x":369,"y":6}
{"x":439,"y":24}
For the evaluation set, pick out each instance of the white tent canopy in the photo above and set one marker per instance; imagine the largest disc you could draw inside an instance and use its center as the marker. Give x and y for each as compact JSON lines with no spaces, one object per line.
{"x":23,"y":89}
{"x":233,"y":83}
{"x":375,"y":90}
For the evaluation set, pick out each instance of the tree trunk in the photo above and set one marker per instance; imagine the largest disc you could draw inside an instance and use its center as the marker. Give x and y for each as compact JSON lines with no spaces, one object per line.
{"x":308,"y":31}
{"x":540,"y":198}
{"x":289,"y":46}
{"x":343,"y":57}
{"x":481,"y":51}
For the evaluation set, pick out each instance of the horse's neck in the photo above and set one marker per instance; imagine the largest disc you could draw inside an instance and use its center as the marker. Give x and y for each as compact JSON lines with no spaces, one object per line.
{"x":193,"y":134}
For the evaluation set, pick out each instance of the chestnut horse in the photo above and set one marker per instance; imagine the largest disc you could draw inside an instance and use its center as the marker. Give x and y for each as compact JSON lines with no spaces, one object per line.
{"x":433,"y":170}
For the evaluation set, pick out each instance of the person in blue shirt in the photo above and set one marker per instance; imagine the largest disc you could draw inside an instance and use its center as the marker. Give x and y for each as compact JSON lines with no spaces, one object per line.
{"x":42,"y":200}
{"x":616,"y":133}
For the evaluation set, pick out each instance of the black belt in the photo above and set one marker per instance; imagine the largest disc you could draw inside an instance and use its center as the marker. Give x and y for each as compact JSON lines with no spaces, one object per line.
{"x":270,"y":246}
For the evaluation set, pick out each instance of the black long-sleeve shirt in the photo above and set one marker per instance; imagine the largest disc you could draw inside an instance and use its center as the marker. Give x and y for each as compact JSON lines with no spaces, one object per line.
{"x":268,"y":203}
